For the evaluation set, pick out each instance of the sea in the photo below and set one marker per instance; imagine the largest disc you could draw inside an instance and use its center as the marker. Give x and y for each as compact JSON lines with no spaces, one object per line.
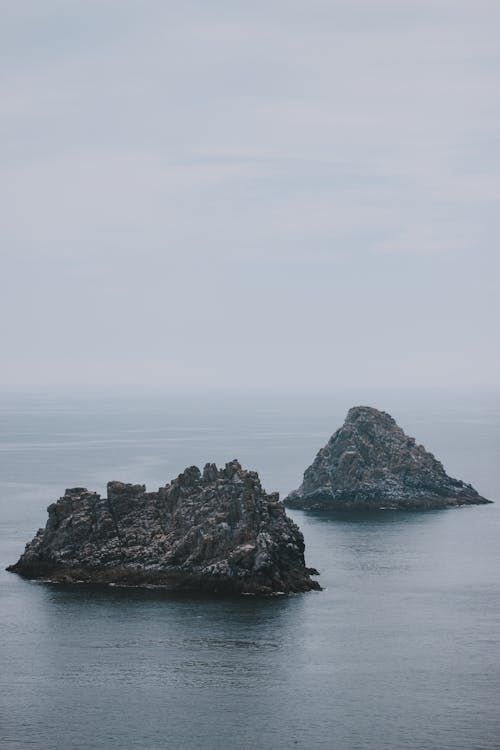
{"x":400,"y":651}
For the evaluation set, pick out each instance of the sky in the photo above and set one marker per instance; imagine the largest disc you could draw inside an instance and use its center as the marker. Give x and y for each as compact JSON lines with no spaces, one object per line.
{"x":268,"y":193}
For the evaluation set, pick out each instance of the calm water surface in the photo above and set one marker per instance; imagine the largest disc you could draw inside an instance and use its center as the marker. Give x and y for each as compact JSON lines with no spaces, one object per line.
{"x":400,"y":651}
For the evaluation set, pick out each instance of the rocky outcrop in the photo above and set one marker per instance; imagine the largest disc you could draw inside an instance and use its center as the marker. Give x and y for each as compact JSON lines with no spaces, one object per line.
{"x":370,"y":463}
{"x":216,"y":531}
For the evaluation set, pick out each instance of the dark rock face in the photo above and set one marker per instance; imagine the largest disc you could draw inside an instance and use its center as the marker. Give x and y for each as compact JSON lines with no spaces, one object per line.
{"x":216,"y":531}
{"x":370,"y":463}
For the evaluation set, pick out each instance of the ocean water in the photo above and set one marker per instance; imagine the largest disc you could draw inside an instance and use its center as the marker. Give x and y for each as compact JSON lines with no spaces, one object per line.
{"x":401,"y":651}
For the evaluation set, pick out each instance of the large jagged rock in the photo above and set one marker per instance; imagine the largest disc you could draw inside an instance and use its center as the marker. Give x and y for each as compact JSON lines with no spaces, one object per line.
{"x":215,"y":531}
{"x":370,"y":463}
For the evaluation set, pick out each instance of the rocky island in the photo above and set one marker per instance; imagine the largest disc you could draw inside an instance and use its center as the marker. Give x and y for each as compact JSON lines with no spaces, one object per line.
{"x":370,"y":463}
{"x":214,"y":531}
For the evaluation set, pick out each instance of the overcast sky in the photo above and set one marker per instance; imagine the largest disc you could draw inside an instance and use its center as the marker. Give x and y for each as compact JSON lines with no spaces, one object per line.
{"x":266,"y":192}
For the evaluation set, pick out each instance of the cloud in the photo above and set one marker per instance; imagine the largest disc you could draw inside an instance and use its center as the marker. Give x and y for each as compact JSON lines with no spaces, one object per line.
{"x":225,"y":144}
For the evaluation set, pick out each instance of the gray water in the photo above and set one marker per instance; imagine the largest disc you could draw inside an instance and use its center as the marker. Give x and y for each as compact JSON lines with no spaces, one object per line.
{"x":400,"y":651}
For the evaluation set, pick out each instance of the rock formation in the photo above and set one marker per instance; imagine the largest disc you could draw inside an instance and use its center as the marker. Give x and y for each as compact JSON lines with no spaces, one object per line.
{"x":370,"y":463}
{"x":216,"y":531}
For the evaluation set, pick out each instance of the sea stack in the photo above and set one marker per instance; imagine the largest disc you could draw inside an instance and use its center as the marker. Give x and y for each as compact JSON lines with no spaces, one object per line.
{"x":370,"y":464}
{"x":215,"y":531}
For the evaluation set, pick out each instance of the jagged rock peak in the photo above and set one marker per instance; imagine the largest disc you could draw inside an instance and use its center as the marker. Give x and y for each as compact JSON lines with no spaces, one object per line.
{"x":215,"y":531}
{"x":370,"y":463}
{"x":360,"y":413}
